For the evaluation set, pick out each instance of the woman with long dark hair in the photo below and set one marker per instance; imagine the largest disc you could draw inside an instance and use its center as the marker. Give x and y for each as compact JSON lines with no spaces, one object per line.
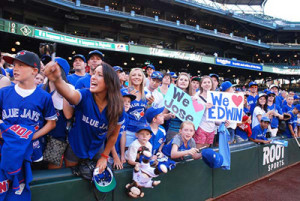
{"x":98,"y":114}
{"x":260,"y":110}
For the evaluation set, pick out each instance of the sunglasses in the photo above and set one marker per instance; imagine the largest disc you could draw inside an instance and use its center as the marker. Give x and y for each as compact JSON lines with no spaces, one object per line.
{"x":253,"y":87}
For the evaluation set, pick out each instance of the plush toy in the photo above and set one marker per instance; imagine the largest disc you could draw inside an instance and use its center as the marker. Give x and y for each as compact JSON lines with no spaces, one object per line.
{"x":143,"y":173}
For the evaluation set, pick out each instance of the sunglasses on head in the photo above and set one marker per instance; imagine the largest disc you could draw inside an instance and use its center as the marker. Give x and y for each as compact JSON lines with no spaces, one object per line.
{"x":253,"y":87}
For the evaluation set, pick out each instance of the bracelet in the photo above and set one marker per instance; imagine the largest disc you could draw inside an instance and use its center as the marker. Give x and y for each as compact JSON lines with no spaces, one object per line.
{"x":105,"y":156}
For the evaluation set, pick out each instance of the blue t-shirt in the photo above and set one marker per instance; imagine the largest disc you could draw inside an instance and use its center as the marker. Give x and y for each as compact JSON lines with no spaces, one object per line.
{"x":287,"y":108}
{"x":73,"y":78}
{"x":293,"y":122}
{"x":90,"y":127}
{"x":275,"y":120}
{"x":157,"y":139}
{"x":136,"y":115}
{"x":259,"y":133}
{"x":84,"y":82}
{"x":278,"y":101}
{"x":252,"y":103}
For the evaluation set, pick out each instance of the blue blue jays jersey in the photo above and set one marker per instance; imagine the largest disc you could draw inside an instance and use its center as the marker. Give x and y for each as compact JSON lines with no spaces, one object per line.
{"x":166,"y":150}
{"x":136,"y":115}
{"x":90,"y":127}
{"x":73,"y":78}
{"x":258,"y":133}
{"x":275,"y":120}
{"x":84,"y":82}
{"x":15,"y":162}
{"x":157,"y":139}
{"x":252,"y":102}
{"x":31,"y":110}
{"x":287,"y":108}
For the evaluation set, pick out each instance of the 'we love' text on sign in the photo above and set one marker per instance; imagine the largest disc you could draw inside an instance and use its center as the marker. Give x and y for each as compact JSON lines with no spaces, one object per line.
{"x":226,"y":106}
{"x":180,"y":103}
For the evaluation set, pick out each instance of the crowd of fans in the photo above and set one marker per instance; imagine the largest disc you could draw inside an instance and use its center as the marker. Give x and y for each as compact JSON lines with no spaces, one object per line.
{"x":106,"y":115}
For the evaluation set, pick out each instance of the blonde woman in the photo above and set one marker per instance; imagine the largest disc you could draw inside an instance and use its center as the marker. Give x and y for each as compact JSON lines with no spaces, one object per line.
{"x":136,"y":118}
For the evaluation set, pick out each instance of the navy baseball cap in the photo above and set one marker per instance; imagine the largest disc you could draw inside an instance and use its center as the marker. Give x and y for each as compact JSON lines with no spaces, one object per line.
{"x":152,"y":112}
{"x":266,"y":119}
{"x":253,"y":84}
{"x":214,"y":75}
{"x":118,"y":68}
{"x":173,"y":74}
{"x":212,"y":158}
{"x":157,"y":75}
{"x":97,"y":52}
{"x":150,"y":66}
{"x":144,"y":127}
{"x":80,"y":56}
{"x":225,"y":85}
{"x":125,"y":93}
{"x":26,"y":57}
{"x":63,"y":64}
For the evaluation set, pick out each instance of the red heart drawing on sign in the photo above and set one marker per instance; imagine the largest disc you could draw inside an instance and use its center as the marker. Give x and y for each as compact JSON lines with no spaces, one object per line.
{"x":197,"y":106}
{"x":237,"y":100}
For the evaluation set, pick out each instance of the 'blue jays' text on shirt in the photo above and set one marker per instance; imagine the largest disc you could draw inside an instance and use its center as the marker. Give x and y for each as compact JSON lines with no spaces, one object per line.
{"x":90,"y":127}
{"x":136,"y":115}
{"x":31,"y":110}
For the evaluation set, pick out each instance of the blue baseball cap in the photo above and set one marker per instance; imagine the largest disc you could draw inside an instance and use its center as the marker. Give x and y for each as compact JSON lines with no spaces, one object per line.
{"x":214,"y":75}
{"x":144,"y":127}
{"x":63,"y":64}
{"x":118,"y":68}
{"x":125,"y":93}
{"x":212,"y":158}
{"x":296,"y":97}
{"x":225,"y":85}
{"x":79,"y":56}
{"x":266,"y":119}
{"x":270,"y":93}
{"x":150,"y":66}
{"x":173,"y":74}
{"x":104,"y":181}
{"x":252,"y":84}
{"x":152,"y":112}
{"x":157,"y":75}
{"x":26,"y":57}
{"x":266,"y":91}
{"x":297,"y":107}
{"x":97,"y":52}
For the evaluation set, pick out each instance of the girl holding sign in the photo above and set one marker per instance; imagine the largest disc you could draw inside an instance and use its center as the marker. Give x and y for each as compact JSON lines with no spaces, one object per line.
{"x":183,"y":82}
{"x":205,"y":133}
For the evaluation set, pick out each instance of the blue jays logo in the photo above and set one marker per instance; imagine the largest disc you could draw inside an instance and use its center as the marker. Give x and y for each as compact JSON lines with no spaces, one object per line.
{"x":138,"y":114}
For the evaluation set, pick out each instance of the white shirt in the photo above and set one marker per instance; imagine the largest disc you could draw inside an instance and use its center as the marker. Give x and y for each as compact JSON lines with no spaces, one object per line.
{"x":257,"y":111}
{"x":158,"y":97}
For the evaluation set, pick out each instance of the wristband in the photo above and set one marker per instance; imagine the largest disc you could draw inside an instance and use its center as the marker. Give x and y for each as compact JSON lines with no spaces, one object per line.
{"x":105,"y":156}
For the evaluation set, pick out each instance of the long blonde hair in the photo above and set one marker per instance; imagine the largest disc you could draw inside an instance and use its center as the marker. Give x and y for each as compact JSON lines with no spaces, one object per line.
{"x":141,"y":87}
